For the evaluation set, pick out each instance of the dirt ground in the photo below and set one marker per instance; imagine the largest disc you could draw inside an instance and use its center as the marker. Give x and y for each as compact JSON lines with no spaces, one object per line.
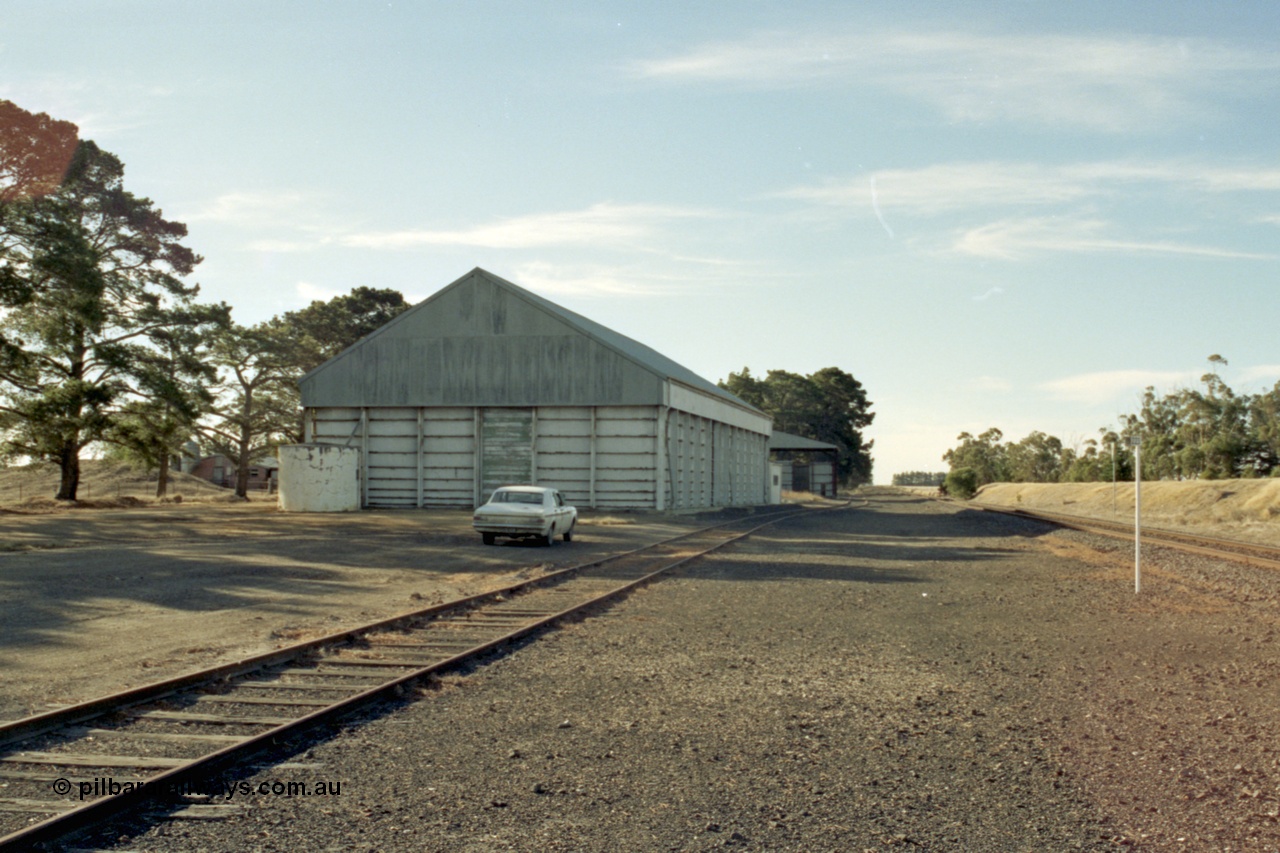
{"x":905,"y":674}
{"x":95,"y":601}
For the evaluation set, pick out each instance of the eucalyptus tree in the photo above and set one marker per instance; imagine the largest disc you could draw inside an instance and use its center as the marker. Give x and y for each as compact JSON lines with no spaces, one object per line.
{"x":174,"y":381}
{"x":1263,"y":455}
{"x":984,"y":455}
{"x":1037,"y":458}
{"x":257,"y":409}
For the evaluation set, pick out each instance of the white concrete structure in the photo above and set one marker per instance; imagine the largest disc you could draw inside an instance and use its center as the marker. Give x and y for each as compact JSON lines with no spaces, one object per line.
{"x":319,"y":478}
{"x":485,"y":384}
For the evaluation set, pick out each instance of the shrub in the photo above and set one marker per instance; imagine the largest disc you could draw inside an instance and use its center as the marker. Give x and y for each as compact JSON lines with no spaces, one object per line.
{"x":962,"y":483}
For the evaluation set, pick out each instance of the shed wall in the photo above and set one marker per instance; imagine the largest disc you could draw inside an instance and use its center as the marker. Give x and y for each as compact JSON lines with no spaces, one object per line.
{"x":597,"y":456}
{"x":787,"y":482}
{"x":822,"y":477}
{"x":816,"y":476}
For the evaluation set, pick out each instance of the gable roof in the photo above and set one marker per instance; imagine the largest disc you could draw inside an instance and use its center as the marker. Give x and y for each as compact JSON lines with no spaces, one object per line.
{"x":787,"y":441}
{"x":626,"y":348}
{"x":633,"y":350}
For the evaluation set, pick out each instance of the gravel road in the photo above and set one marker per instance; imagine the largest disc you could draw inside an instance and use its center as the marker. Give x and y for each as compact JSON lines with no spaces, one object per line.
{"x":906,"y":673}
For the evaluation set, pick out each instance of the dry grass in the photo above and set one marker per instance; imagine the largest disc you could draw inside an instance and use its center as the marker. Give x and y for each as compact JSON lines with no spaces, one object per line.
{"x":106,"y":485}
{"x":605,"y":520}
{"x":1248,"y":509}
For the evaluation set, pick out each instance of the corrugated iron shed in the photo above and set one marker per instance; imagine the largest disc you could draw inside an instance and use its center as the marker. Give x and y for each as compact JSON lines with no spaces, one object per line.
{"x":486,"y":384}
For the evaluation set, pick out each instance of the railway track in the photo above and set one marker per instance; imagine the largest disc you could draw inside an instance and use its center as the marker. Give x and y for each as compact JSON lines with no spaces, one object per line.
{"x":159,"y":747}
{"x":1248,"y":553}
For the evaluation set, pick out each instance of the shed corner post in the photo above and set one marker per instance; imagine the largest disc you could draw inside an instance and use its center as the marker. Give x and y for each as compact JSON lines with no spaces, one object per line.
{"x":476,"y":455}
{"x":533,"y":446}
{"x":422,"y":452}
{"x":767,"y":494}
{"x":591,"y":486}
{"x":660,"y":460}
{"x":364,"y":457}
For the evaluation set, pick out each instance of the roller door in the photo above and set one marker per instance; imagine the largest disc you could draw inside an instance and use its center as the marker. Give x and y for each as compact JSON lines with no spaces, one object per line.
{"x":506,"y":449}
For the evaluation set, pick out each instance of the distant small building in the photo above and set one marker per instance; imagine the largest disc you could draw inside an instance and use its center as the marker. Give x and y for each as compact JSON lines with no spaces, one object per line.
{"x":189,"y":457}
{"x":221,"y":471}
{"x":807,"y":465}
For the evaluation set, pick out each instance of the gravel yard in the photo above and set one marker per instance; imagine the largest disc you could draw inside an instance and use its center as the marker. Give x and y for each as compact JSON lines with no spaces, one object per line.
{"x":95,"y":601}
{"x":904,"y":674}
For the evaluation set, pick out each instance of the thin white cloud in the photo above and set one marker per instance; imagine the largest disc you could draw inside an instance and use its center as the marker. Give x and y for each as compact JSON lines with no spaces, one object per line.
{"x":1101,"y":82}
{"x":281,"y":246}
{"x":309,"y":292}
{"x":1268,"y":373}
{"x":1012,"y":239}
{"x":1110,"y":385}
{"x":1226,"y":179}
{"x":875,"y":205}
{"x":253,"y":208}
{"x":990,"y":292}
{"x":946,"y":187}
{"x":601,"y":223}
{"x":577,"y":280}
{"x":672,"y":275}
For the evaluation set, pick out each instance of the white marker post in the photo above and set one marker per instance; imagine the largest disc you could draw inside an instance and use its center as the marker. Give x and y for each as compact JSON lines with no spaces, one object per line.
{"x":1113,"y":478}
{"x":1136,"y":443}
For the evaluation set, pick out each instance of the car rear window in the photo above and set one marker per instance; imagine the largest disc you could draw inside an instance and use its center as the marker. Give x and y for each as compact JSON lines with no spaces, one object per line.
{"x":517,"y":498}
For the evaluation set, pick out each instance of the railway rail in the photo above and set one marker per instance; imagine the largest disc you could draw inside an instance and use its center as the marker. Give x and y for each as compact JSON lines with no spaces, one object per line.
{"x":1248,"y":553}
{"x":172,"y":736}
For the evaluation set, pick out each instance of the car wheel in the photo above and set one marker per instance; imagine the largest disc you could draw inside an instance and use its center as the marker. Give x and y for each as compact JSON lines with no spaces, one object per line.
{"x":549,"y":538}
{"x":489,"y":538}
{"x":568,"y":534}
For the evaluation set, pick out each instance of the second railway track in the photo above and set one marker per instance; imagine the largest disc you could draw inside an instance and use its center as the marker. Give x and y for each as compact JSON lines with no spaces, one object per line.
{"x":169,"y":739}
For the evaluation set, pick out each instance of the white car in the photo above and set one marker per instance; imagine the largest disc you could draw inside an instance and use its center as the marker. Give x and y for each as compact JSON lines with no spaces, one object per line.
{"x":525,"y":512}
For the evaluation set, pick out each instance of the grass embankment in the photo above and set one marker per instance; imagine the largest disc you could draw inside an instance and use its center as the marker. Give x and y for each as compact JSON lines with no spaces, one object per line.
{"x":102,"y":484}
{"x":1247,"y":509}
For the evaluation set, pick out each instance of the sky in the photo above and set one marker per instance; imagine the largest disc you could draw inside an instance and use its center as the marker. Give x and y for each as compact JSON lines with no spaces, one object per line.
{"x":1012,"y":214}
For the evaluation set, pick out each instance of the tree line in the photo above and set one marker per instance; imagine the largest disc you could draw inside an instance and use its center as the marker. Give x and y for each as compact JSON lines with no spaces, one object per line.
{"x":102,"y":340}
{"x":1208,"y":433}
{"x":919,"y":478}
{"x":828,"y":405}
